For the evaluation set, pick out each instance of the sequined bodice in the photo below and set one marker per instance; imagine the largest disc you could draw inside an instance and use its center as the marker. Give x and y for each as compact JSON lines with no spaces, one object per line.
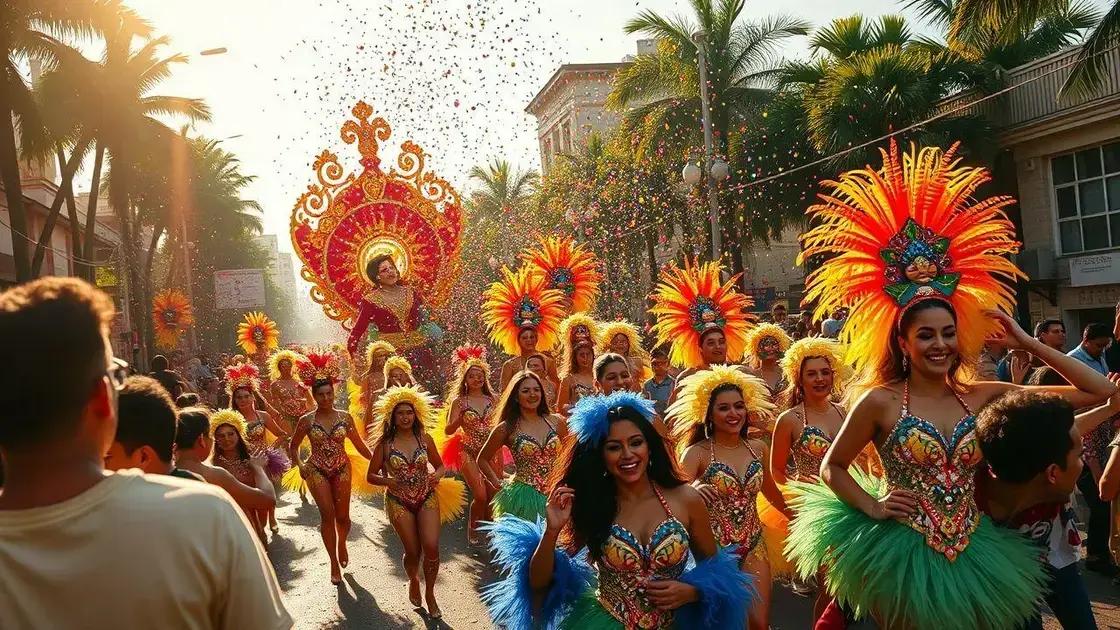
{"x":735,"y":514}
{"x":532,"y":460}
{"x":476,"y":427}
{"x":255,"y":437}
{"x":627,"y":565}
{"x":328,"y":446}
{"x":239,"y":468}
{"x":293,"y":404}
{"x":918,"y":458}
{"x":808,"y":452}
{"x":411,"y":471}
{"x":579,"y":390}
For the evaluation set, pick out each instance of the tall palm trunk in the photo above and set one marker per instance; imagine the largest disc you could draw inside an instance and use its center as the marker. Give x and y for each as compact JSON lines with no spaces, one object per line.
{"x":68,"y":171}
{"x":13,"y":191}
{"x":91,"y":208}
{"x":81,"y":269}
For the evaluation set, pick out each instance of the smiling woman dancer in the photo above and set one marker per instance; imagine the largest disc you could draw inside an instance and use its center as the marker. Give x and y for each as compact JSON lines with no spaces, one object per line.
{"x":533,"y":435}
{"x":470,"y":418}
{"x":619,"y":495}
{"x":229,"y":451}
{"x":405,"y":461}
{"x":624,"y":339}
{"x":714,"y":411}
{"x":766,"y":344}
{"x":577,"y":376}
{"x":919,"y":262}
{"x":244,"y":389}
{"x":328,"y":470}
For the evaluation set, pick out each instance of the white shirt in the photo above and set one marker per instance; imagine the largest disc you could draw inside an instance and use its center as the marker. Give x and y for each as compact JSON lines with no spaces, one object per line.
{"x":137,"y":551}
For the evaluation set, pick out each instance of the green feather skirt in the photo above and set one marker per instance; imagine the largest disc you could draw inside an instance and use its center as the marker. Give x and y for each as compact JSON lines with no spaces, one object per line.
{"x":588,"y":614}
{"x":518,"y":499}
{"x":885,"y":568}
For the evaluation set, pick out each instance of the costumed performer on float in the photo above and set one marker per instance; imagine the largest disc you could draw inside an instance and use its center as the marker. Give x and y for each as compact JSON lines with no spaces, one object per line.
{"x":418,"y":497}
{"x":243,"y":388}
{"x":623,"y":338}
{"x":702,"y":320}
{"x":613,"y":551}
{"x":522,"y":314}
{"x":924,"y":269}
{"x":532,"y":433}
{"x":470,"y":419}
{"x":713,"y":414}
{"x":766,"y":343}
{"x":328,"y":470}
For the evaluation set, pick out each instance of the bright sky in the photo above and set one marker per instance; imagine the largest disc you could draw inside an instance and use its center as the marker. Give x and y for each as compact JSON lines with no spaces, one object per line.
{"x":452,"y":75}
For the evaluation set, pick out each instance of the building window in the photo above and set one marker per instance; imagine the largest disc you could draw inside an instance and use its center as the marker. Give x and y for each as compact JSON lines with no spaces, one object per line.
{"x":1087,"y":198}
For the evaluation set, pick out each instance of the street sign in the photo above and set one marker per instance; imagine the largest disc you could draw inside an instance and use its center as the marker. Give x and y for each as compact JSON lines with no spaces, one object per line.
{"x":239,"y":289}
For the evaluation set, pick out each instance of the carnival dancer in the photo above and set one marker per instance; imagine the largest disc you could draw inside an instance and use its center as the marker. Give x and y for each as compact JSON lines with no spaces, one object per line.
{"x":816,"y":373}
{"x":396,"y":372}
{"x":919,"y":263}
{"x":362,"y":386}
{"x":522,"y":315}
{"x":577,"y":376}
{"x":578,"y":328}
{"x":327,"y":471}
{"x":533,"y":434}
{"x":406,"y":462}
{"x":714,"y":411}
{"x":702,"y":320}
{"x":398,"y":314}
{"x":619,"y":496}
{"x":244,"y":389}
{"x":623,"y":338}
{"x":766,"y":343}
{"x":290,"y":397}
{"x":612,"y":374}
{"x":469,"y":422}
{"x":227,"y":429}
{"x":537,"y":364}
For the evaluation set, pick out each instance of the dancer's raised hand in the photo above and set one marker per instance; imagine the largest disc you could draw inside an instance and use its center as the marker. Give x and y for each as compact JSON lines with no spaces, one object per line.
{"x":559,"y":508}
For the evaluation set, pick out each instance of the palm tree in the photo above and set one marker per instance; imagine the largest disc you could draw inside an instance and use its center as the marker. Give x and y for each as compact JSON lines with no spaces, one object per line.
{"x":974,"y":20}
{"x":28,"y":29}
{"x":662,"y":90}
{"x":110,"y":103}
{"x":502,"y":189}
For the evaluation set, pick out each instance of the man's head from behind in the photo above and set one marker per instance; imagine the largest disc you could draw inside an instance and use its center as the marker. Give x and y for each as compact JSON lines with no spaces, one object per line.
{"x":146,"y":423}
{"x":193,"y":434}
{"x":1029,"y":438}
{"x":58,"y":385}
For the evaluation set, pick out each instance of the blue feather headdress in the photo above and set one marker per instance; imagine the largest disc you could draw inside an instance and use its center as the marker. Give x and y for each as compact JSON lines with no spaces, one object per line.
{"x":589,"y":417}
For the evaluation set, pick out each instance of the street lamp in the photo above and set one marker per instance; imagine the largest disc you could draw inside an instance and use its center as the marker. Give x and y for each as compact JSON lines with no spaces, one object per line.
{"x":716,"y":168}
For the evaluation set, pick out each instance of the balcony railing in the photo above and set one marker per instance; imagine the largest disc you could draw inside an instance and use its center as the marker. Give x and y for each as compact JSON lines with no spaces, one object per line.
{"x":1037,"y":99}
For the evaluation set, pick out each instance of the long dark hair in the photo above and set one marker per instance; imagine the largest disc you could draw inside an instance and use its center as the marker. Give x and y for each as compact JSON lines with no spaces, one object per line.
{"x":257,"y":399}
{"x":571,"y":366}
{"x":242,"y":450}
{"x":581,"y":467}
{"x":509,"y":409}
{"x":704,"y":430}
{"x":390,"y":425}
{"x":458,"y":387}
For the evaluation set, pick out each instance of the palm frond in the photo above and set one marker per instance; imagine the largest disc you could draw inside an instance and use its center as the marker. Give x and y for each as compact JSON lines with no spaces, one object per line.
{"x":193,"y":109}
{"x":1092,"y":61}
{"x":676,"y":29}
{"x":937,"y":13}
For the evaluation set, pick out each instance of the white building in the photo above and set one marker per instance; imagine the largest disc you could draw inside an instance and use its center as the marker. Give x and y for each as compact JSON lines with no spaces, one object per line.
{"x":280,"y":269}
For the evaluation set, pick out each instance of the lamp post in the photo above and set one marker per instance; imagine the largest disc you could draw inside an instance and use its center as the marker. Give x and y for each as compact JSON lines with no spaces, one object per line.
{"x":716,"y":169}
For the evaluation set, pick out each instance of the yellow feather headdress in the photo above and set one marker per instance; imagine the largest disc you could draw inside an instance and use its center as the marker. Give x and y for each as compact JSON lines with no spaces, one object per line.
{"x":905,"y":232}
{"x":816,"y":347}
{"x":422,"y":402}
{"x":568,"y":267}
{"x":693,"y":300}
{"x":691,"y":407}
{"x":257,"y":331}
{"x":379,"y":345}
{"x":764,"y":331}
{"x":397,"y":361}
{"x":230,"y":417}
{"x":274,"y":363}
{"x":571,"y":322}
{"x":518,"y":301}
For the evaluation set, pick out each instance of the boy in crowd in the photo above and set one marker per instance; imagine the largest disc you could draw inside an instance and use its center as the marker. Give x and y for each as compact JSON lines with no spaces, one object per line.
{"x":659,"y":387}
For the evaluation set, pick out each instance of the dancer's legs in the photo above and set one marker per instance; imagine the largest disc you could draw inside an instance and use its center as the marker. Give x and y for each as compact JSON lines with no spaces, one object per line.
{"x":320,"y":490}
{"x":429,"y":525}
{"x":404,"y":523}
{"x":759,"y":616}
{"x":480,"y":496}
{"x":340,"y":489}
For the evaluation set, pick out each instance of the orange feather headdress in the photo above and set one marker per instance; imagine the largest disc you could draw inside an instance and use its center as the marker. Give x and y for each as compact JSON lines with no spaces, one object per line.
{"x":256,"y":332}
{"x":906,"y":232}
{"x":568,"y":267}
{"x":171,"y":314}
{"x":518,"y":301}
{"x":692,"y":301}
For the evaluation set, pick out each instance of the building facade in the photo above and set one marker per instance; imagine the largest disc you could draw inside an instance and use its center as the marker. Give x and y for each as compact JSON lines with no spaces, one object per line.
{"x":1065,"y":158}
{"x":281,"y":268}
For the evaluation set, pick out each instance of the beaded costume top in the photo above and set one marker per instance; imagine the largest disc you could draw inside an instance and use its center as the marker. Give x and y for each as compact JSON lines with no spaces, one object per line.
{"x":237,"y":467}
{"x":476,"y":427}
{"x":735,"y":514}
{"x":533,"y":460}
{"x":918,"y":458}
{"x":255,"y":436}
{"x":627,"y":564}
{"x":328,"y":445}
{"x":412,"y":472}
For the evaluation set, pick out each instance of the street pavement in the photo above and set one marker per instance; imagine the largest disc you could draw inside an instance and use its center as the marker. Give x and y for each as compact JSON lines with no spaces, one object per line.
{"x":373,"y":593}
